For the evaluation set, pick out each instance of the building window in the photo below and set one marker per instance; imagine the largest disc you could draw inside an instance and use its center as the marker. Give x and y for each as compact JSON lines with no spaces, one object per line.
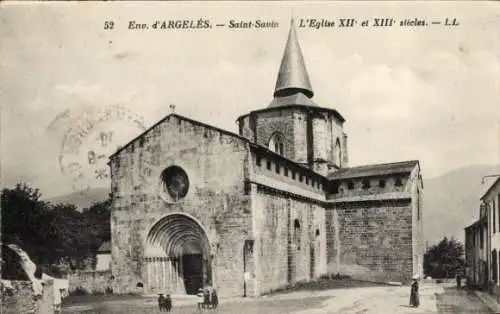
{"x":498,"y":207}
{"x":335,"y":188}
{"x":293,"y":175}
{"x":398,"y":182}
{"x":277,"y":168}
{"x":493,"y":217}
{"x":259,"y":161}
{"x":175,"y":181}
{"x":286,"y":172}
{"x":307,"y":180}
{"x":494,"y":266}
{"x":418,"y":204}
{"x":296,"y":233}
{"x":277,"y":143}
{"x":366,"y":184}
{"x":350,"y":185}
{"x":481,"y":238}
{"x":381,"y":184}
{"x":268,"y":165}
{"x":301,"y":178}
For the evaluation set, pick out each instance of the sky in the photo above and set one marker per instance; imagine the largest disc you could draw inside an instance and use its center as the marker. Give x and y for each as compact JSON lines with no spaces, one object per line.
{"x":427,"y":93}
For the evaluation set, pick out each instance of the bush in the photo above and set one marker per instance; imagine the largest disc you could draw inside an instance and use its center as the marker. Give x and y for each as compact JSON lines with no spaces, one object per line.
{"x":78,"y":291}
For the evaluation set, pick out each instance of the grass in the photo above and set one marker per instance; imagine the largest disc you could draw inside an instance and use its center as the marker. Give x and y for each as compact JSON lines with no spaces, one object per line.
{"x":325,"y":283}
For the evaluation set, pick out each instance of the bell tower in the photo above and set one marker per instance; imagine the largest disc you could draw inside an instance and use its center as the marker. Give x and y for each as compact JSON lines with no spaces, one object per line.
{"x":293,"y":125}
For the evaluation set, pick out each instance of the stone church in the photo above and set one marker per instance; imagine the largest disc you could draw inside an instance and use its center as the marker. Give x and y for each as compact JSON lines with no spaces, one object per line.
{"x":252,"y":212}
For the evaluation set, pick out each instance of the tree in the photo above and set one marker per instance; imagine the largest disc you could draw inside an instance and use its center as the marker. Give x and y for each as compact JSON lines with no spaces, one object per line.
{"x":444,"y":259}
{"x":52,"y":234}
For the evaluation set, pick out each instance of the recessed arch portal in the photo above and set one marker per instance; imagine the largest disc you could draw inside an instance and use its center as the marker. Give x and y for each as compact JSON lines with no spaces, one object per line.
{"x":177,"y":256}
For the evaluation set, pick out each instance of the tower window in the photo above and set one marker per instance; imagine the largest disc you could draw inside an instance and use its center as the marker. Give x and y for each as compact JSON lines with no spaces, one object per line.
{"x":268,"y":165}
{"x":277,"y":168}
{"x":259,"y":161}
{"x":286,"y":172}
{"x":277,"y":143}
{"x":337,"y":153}
{"x":381,"y":184}
{"x":293,"y":175}
{"x":398,"y":182}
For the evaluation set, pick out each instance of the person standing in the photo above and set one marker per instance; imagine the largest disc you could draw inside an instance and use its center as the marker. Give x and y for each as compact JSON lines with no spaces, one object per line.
{"x":414,"y":297}
{"x":459,"y":281}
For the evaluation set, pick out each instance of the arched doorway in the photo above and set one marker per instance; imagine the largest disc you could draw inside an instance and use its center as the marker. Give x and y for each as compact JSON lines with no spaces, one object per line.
{"x":177,"y":256}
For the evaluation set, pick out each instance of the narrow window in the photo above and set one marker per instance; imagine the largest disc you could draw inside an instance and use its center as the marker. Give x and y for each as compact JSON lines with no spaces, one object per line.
{"x":286,"y":172}
{"x":366,"y":184}
{"x":498,"y":207}
{"x":301,"y":178}
{"x":268,"y":165}
{"x":297,"y":235}
{"x":293,"y":175}
{"x":350,"y":185}
{"x":337,"y":153}
{"x":493,"y":214}
{"x":335,"y":188}
{"x":399,"y":182}
{"x":381,"y":184}
{"x":259,"y":161}
{"x":277,"y":168}
{"x":276,"y":143}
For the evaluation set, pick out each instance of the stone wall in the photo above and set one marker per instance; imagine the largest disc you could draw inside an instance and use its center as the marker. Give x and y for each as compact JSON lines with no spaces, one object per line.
{"x":215,"y":162}
{"x":21,"y":299}
{"x":371,"y":240}
{"x":90,"y":281}
{"x":288,"y":254}
{"x":270,"y":122}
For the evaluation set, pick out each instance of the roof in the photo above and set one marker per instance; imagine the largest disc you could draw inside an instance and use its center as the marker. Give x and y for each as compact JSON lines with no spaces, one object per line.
{"x":292,"y":75}
{"x":490,"y":188}
{"x":244,"y":139}
{"x":291,"y":106}
{"x":105,"y":247}
{"x":374,"y":170}
{"x":295,"y":99}
{"x":183,"y":118}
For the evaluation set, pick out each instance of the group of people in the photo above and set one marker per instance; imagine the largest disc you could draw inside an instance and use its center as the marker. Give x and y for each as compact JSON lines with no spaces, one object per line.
{"x":209,"y":298}
{"x":165,"y":303}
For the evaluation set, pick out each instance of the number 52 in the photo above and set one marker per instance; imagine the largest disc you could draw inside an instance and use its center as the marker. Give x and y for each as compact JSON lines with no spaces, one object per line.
{"x":109,"y":25}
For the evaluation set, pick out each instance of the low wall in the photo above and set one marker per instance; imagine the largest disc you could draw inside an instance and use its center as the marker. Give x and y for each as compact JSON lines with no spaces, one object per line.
{"x":92,"y":282}
{"x":21,"y":299}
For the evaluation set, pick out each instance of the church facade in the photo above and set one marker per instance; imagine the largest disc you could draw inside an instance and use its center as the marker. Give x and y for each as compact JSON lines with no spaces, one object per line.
{"x":252,"y":212}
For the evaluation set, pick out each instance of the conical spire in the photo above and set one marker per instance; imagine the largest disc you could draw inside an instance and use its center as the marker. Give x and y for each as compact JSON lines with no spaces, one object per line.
{"x":292,"y":76}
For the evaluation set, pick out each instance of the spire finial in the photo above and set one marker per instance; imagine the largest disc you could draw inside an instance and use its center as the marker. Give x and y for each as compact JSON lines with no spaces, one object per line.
{"x":172,"y":108}
{"x":292,"y":75}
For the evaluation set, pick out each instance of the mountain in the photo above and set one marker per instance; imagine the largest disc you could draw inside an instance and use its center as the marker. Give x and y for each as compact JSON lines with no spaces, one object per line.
{"x":451,"y":201}
{"x":82,"y":199}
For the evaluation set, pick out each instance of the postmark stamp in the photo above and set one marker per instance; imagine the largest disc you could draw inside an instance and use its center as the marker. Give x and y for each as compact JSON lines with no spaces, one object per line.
{"x":94,"y":136}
